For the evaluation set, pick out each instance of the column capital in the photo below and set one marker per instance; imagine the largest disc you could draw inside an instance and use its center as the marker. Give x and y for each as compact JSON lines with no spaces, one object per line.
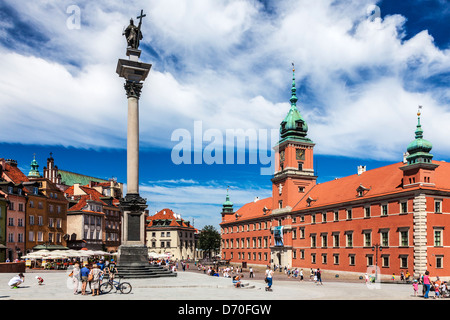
{"x":133,"y":203}
{"x":133,"y":89}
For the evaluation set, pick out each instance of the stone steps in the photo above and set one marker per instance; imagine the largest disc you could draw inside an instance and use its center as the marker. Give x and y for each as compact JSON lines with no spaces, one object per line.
{"x":150,"y":271}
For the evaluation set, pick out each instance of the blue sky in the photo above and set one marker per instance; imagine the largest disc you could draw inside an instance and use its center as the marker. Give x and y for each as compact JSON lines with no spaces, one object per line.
{"x":362,"y":69}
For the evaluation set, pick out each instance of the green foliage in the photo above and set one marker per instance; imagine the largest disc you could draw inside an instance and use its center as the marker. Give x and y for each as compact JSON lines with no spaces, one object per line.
{"x":209,"y":239}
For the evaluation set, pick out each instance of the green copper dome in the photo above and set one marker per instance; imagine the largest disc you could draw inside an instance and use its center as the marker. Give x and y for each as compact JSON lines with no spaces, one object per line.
{"x":294,"y":127}
{"x":227,"y":202}
{"x":34,"y":171}
{"x":227,"y":206}
{"x":419,"y":149}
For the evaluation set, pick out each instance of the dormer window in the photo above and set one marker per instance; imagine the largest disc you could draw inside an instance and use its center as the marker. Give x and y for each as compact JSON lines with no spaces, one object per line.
{"x":309,"y":201}
{"x":361,"y":190}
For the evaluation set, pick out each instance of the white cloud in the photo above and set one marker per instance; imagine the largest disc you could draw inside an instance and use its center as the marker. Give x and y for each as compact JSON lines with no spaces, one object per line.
{"x":225,"y":63}
{"x":194,"y":200}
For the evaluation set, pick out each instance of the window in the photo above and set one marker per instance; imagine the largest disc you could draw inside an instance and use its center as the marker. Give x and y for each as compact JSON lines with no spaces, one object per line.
{"x":384,"y":238}
{"x":336,"y":240}
{"x":336,"y":258}
{"x":349,"y":239}
{"x":403,"y":261}
{"x":368,"y":239}
{"x":30,"y":236}
{"x":404,"y":238}
{"x":384,"y":210}
{"x":385,"y":261}
{"x":313,"y":218}
{"x":336,"y":216}
{"x":40,"y":221}
{"x":313,"y":241}
{"x":439,"y":262}
{"x":351,"y":259}
{"x":324,"y":217}
{"x":349,"y":214}
{"x":313,"y":258}
{"x":324,"y":241}
{"x":31,"y":220}
{"x":438,"y":206}
{"x":438,"y":237}
{"x":300,"y":166}
{"x":280,"y":204}
{"x":404,"y":207}
{"x":369,"y":260}
{"x":324,"y":258}
{"x":301,"y":189}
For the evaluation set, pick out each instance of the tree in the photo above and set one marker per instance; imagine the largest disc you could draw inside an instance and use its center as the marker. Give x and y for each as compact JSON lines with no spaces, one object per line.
{"x":209,"y":239}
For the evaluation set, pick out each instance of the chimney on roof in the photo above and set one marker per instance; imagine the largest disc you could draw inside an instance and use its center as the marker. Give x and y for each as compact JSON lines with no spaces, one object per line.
{"x":256,"y":199}
{"x":361,"y":169}
{"x":11,"y":162}
{"x":405,"y":154}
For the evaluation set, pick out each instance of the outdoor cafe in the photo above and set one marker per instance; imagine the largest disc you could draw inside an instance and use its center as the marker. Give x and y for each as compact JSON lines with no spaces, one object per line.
{"x":61,"y":259}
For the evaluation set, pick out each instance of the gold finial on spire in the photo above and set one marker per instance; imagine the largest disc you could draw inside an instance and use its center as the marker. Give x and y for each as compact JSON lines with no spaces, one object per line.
{"x":293,"y":67}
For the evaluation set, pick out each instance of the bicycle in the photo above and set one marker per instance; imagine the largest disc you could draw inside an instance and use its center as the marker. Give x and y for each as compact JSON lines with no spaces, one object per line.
{"x":123,"y":287}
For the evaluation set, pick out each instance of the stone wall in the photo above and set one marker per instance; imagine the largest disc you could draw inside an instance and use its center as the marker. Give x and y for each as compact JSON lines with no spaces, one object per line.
{"x":12,"y":267}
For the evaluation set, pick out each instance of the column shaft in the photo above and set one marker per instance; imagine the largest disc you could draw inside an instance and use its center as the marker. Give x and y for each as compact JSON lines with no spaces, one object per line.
{"x":133,"y":146}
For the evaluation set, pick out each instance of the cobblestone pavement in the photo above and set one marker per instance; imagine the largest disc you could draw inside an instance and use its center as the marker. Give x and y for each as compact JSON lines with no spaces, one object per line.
{"x":194,"y":285}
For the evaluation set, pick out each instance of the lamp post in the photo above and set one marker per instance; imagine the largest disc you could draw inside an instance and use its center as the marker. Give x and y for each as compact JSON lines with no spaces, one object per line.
{"x":375,"y":248}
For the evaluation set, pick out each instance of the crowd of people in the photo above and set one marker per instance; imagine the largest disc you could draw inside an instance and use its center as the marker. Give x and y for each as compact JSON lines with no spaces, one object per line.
{"x":91,"y":275}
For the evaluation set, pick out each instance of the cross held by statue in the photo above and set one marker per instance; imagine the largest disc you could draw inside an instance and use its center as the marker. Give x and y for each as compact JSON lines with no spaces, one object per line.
{"x":141,"y":16}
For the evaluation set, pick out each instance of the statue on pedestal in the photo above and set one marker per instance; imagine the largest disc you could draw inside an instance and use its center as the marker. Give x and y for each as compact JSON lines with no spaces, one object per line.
{"x":133,"y":33}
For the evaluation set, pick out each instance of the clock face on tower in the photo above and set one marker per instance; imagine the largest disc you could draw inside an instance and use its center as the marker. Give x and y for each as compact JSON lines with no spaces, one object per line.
{"x":300,"y":154}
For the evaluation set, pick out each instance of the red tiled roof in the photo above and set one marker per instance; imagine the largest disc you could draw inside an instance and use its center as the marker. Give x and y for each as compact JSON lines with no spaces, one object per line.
{"x":167,"y":214}
{"x":380,"y":181}
{"x":252,"y":209}
{"x":15,"y":174}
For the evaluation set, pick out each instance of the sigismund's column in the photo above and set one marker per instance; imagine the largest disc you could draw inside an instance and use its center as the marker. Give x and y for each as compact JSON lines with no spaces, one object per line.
{"x":133,"y":250}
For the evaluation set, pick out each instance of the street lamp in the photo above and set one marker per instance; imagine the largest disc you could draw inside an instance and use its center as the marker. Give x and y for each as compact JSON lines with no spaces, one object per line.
{"x":376,"y":248}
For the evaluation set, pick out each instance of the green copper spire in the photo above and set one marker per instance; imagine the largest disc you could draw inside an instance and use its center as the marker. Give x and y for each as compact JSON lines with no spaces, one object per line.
{"x":34,"y":172}
{"x":293,"y":127}
{"x":419,"y":149}
{"x":227,"y":206}
{"x":293,"y":90}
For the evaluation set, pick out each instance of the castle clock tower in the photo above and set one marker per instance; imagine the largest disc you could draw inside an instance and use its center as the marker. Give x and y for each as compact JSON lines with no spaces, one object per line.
{"x":294,"y":170}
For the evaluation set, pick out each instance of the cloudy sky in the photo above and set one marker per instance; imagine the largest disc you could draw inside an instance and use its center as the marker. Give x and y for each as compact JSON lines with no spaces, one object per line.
{"x":362,"y":69}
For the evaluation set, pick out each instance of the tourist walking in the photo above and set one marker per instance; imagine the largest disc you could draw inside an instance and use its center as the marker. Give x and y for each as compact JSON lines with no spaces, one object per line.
{"x":251,"y":272}
{"x":415,"y":287}
{"x":95,"y":282}
{"x":76,"y":276}
{"x":269,"y":279}
{"x":426,"y":283}
{"x":301,"y":275}
{"x":319,"y":276}
{"x":84,"y":273}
